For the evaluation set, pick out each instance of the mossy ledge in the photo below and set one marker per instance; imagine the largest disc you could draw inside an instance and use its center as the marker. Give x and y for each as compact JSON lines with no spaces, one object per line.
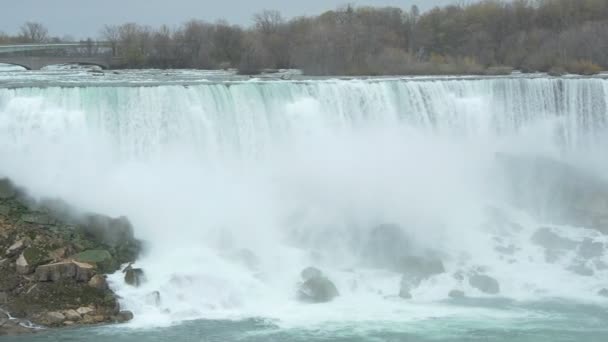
{"x":53,"y":262}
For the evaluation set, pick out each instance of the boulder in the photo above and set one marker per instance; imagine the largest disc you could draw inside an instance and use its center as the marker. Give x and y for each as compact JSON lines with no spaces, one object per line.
{"x":65,"y":270}
{"x":98,"y":282}
{"x":456,"y":294}
{"x":134,"y":276}
{"x":85,"y":310}
{"x":54,"y":318}
{"x":98,"y":257}
{"x":72,"y":315}
{"x":123,"y":316}
{"x":484,"y":283}
{"x":30,"y":258}
{"x":310,"y":273}
{"x":316,"y":288}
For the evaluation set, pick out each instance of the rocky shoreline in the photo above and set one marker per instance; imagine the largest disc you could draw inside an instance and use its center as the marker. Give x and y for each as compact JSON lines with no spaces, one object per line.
{"x":53,"y":262}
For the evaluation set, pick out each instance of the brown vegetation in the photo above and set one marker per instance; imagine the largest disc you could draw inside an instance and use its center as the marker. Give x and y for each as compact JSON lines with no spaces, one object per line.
{"x":487,"y":37}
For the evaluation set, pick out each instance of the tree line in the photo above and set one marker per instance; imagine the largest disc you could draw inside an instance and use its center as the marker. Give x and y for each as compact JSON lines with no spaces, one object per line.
{"x":491,"y":36}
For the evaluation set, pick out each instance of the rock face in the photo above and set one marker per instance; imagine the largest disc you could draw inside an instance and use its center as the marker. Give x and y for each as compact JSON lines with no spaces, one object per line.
{"x":484,"y":283}
{"x":556,"y":192}
{"x":316,"y":288}
{"x":52,"y":262}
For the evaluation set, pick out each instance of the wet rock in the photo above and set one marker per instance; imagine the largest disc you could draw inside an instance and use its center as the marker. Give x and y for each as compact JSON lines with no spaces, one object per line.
{"x":98,"y":282}
{"x":65,"y":270}
{"x":456,"y":294}
{"x":316,"y":289}
{"x":55,"y":318}
{"x":3,"y":297}
{"x":72,"y":315}
{"x":102,"y":259}
{"x":123,"y":316}
{"x":310,"y":273}
{"x":134,"y":276}
{"x":484,"y":283}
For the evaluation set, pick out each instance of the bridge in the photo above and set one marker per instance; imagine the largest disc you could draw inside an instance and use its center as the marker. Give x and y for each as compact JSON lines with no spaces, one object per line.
{"x":38,"y":56}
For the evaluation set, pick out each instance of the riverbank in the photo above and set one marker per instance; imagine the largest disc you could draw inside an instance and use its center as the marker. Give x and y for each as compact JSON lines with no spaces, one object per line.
{"x":53,"y":262}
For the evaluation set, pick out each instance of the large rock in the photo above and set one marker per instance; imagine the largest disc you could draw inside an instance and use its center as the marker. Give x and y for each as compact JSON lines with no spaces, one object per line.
{"x":30,"y":258}
{"x":72,"y":315}
{"x":316,"y":288}
{"x":484,"y":283}
{"x":101,"y":258}
{"x":55,"y":318}
{"x":65,"y":270}
{"x":123,"y":316}
{"x":98,"y":282}
{"x":134,"y":276}
{"x":310,"y":273}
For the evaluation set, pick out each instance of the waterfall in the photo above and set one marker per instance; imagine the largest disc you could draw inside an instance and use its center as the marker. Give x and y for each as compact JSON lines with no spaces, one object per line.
{"x":237,"y":186}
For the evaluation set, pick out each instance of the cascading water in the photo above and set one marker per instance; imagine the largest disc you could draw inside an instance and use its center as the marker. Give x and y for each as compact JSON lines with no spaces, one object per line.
{"x":237,"y":186}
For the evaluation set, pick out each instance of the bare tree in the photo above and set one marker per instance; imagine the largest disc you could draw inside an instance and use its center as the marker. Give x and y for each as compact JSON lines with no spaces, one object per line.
{"x":33,"y":32}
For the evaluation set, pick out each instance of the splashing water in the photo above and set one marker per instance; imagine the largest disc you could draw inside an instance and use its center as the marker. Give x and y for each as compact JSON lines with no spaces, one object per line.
{"x":237,"y":186}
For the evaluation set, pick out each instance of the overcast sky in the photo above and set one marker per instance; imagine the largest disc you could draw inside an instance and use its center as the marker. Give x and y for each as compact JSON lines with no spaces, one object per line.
{"x":82,"y":18}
